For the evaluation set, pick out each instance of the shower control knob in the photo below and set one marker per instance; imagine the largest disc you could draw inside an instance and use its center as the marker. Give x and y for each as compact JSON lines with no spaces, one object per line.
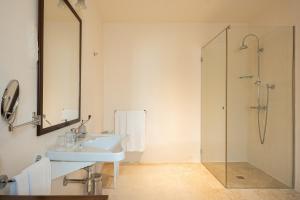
{"x":253,"y":107}
{"x":260,"y":108}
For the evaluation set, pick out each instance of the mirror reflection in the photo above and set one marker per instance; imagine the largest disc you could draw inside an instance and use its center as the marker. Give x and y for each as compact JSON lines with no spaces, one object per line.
{"x":61,"y":65}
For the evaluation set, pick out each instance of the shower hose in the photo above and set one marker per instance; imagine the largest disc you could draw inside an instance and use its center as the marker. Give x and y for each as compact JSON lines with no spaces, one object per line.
{"x":262,"y":133}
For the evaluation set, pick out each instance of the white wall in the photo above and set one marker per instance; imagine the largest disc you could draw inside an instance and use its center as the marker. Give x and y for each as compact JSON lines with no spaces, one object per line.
{"x":92,"y":67}
{"x":157,"y":67}
{"x":288,"y":14}
{"x":18,"y":58}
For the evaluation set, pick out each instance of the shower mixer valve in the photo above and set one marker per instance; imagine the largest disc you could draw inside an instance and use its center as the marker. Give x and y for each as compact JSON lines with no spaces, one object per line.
{"x":259,"y":108}
{"x":271,"y":86}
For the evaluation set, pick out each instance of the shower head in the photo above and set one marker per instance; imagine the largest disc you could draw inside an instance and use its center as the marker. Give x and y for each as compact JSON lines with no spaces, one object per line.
{"x":243,"y":47}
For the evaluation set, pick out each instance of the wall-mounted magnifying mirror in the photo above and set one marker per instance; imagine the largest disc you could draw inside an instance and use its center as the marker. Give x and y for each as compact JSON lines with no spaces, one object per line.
{"x":10,"y":101}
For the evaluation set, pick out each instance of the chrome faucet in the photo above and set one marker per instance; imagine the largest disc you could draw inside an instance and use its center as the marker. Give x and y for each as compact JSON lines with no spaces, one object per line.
{"x":80,"y":131}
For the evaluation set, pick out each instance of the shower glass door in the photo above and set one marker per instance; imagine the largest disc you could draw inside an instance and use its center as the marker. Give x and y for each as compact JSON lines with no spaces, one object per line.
{"x":248,"y":107}
{"x":213,"y":105}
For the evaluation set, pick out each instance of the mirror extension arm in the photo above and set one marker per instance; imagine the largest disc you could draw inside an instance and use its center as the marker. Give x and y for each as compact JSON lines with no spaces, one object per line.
{"x":36,"y":120}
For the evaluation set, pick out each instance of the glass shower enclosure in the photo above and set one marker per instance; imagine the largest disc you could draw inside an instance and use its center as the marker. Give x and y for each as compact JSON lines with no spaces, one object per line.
{"x":247,"y":121}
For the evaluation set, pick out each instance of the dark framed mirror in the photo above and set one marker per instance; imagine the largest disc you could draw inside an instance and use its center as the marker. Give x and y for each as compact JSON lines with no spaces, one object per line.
{"x":59,"y":67}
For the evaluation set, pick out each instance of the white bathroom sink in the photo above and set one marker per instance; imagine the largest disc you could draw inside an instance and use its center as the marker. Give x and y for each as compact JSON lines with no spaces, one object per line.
{"x":104,"y":148}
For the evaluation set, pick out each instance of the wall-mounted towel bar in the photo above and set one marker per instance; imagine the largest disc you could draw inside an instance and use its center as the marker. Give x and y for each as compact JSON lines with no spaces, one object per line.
{"x":4,"y":180}
{"x":126,"y":110}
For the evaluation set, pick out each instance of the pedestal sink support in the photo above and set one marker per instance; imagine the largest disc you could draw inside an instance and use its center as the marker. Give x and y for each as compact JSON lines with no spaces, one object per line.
{"x":89,"y":184}
{"x":89,"y":181}
{"x":67,"y":180}
{"x":116,"y":173}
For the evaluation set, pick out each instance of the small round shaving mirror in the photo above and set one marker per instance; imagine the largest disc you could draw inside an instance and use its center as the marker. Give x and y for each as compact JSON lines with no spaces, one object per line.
{"x":10,"y":101}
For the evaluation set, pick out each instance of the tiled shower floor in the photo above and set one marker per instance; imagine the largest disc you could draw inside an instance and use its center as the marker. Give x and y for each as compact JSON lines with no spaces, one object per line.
{"x":180,"y":181}
{"x":243,"y":175}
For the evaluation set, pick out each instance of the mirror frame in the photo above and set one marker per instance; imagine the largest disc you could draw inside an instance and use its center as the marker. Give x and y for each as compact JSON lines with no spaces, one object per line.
{"x":40,"y":129}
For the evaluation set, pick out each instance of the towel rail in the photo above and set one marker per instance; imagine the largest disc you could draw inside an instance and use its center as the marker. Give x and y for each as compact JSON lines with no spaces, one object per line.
{"x":128,"y":110}
{"x":4,"y":180}
{"x":115,"y":119}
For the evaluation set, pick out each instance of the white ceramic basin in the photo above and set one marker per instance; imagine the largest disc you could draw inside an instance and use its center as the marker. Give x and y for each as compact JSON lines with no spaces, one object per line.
{"x":86,"y":152}
{"x":104,"y":148}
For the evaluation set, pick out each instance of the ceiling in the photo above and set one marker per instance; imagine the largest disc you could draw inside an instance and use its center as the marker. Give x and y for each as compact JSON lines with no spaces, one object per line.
{"x":233,"y":11}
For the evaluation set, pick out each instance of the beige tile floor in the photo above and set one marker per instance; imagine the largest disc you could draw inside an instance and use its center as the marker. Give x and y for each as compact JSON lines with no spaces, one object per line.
{"x":180,"y":181}
{"x":253,"y":177}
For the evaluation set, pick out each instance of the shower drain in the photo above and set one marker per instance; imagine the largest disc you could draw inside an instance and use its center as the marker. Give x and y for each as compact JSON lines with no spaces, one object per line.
{"x":240,"y":177}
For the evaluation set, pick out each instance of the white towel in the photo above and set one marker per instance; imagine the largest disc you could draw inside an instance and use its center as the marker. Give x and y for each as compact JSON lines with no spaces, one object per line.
{"x":69,"y":114}
{"x":121,"y":123}
{"x":136,"y":129}
{"x":21,"y":184}
{"x":39,"y":177}
{"x":133,"y":125}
